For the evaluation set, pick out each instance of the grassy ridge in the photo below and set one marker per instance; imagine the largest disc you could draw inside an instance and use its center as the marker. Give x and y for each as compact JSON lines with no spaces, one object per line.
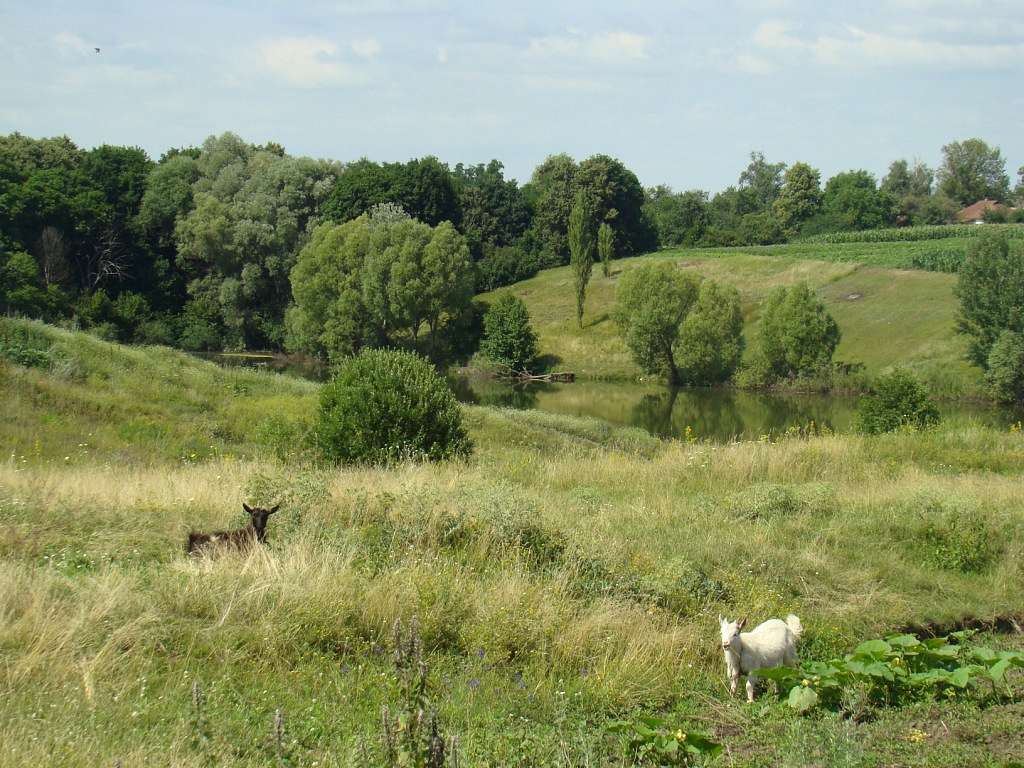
{"x":567,"y":574}
{"x":913,"y":311}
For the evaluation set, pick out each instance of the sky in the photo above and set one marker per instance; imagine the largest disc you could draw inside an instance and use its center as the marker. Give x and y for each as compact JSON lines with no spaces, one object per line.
{"x":680,"y":91}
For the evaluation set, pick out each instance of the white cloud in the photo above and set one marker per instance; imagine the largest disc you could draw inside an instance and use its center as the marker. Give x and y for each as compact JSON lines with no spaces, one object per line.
{"x":860,"y":48}
{"x":367,"y":48}
{"x":69,"y":42}
{"x":753,"y":65}
{"x":306,"y":62}
{"x":552,"y":83}
{"x":775,"y":35}
{"x":608,"y":46}
{"x":442,"y":55}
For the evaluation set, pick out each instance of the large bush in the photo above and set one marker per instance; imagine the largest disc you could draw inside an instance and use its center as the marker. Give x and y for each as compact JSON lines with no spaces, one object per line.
{"x":798,"y":335}
{"x":1005,"y":374}
{"x":508,"y":338}
{"x":991,"y":292}
{"x":710,"y":342}
{"x":386,"y":405}
{"x":650,"y":306}
{"x":897,"y":400}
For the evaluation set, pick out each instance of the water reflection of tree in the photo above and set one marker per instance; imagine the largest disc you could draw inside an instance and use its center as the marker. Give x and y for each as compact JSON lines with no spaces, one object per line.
{"x":724,"y":414}
{"x":501,"y":394}
{"x":654,"y":412}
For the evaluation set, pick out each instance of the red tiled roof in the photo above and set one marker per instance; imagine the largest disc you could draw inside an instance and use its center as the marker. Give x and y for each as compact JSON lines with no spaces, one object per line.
{"x":976,"y":212}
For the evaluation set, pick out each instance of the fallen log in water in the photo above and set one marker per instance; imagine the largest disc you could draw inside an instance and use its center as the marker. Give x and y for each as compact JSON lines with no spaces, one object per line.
{"x":561,"y":376}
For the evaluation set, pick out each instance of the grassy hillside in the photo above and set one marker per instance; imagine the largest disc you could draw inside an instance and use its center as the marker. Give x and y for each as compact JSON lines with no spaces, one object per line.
{"x":887,"y":316}
{"x":568,"y":574}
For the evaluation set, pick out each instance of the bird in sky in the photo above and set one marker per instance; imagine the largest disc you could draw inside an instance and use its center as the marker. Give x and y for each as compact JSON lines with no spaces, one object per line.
{"x":96,"y":49}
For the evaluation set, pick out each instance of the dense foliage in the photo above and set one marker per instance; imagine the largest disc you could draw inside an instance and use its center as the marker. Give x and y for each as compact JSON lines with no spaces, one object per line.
{"x":378,"y":279}
{"x":508,"y":338}
{"x":798,"y":335}
{"x":675,"y":328}
{"x":895,"y":671}
{"x":388,"y":405}
{"x":897,"y":400}
{"x":1005,"y":374}
{"x":197,"y":249}
{"x":991,"y":293}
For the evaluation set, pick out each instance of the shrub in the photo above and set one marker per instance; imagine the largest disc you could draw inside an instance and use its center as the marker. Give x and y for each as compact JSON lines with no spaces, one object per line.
{"x":958,"y":540}
{"x":991,"y":293}
{"x":897,"y":400}
{"x":508,"y":338}
{"x":386,"y":405}
{"x":710,"y":342}
{"x":798,"y":335}
{"x":1005,"y":374}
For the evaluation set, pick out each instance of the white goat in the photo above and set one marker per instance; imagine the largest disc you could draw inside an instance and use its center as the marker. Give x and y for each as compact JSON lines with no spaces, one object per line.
{"x":770,"y":644}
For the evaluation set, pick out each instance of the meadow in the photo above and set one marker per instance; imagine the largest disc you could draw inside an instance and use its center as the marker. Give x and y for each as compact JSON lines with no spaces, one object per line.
{"x":913,"y":310}
{"x":566,"y":576}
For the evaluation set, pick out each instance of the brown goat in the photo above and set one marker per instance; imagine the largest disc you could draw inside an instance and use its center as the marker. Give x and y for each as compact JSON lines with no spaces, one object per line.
{"x":240,"y":538}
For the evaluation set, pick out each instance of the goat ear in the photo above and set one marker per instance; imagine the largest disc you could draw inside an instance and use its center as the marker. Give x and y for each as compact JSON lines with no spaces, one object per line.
{"x":247,"y":508}
{"x":721,"y":620}
{"x":273,"y":509}
{"x":741,"y":623}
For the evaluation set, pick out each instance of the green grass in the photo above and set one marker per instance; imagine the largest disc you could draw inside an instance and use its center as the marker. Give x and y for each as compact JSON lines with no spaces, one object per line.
{"x":566,"y":575}
{"x":887,"y":317}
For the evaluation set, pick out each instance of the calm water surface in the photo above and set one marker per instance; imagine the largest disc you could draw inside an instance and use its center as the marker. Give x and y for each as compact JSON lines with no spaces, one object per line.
{"x":715,"y":414}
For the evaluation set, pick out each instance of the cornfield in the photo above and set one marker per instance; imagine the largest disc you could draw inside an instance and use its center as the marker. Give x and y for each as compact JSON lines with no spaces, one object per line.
{"x":908,"y":234}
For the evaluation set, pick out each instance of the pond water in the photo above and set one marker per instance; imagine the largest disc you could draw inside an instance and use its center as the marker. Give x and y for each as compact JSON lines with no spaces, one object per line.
{"x":715,"y":414}
{"x":709,"y":414}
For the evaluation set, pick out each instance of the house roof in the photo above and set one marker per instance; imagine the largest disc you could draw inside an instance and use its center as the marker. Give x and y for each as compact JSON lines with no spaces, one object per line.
{"x":976,"y":211}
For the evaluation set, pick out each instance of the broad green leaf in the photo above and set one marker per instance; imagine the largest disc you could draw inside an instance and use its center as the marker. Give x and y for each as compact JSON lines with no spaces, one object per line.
{"x":802,"y":699}
{"x":873,"y":649}
{"x":961,"y":677}
{"x":903,"y":641}
{"x":998,"y":670}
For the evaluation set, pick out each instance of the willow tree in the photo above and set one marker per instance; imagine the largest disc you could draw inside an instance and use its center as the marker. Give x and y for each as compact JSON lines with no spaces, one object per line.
{"x":582,"y":243}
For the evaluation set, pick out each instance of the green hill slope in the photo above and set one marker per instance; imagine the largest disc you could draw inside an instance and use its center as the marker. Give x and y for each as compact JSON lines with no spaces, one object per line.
{"x":887,"y":316}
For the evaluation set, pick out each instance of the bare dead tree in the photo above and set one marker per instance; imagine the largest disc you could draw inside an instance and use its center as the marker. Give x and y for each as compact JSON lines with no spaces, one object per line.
{"x":52,"y":252}
{"x":107,"y":259}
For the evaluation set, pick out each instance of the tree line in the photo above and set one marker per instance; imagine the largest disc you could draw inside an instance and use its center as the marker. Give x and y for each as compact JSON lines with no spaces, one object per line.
{"x":217,"y":246}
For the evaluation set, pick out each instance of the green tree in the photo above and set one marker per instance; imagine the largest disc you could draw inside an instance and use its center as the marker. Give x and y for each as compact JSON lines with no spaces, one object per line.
{"x":991,"y":292}
{"x":798,"y":335}
{"x":650,"y":306}
{"x":616,"y":196}
{"x":252,"y":212}
{"x":21,"y":289}
{"x":854,"y":202}
{"x":329,"y":318}
{"x":582,"y":242}
{"x":760,"y":183}
{"x":1005,"y":374}
{"x":679,"y":218}
{"x":508,"y":338}
{"x":606,"y":247}
{"x":972,"y":170}
{"x":710,"y":343}
{"x":495,"y":212}
{"x":800,"y":197}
